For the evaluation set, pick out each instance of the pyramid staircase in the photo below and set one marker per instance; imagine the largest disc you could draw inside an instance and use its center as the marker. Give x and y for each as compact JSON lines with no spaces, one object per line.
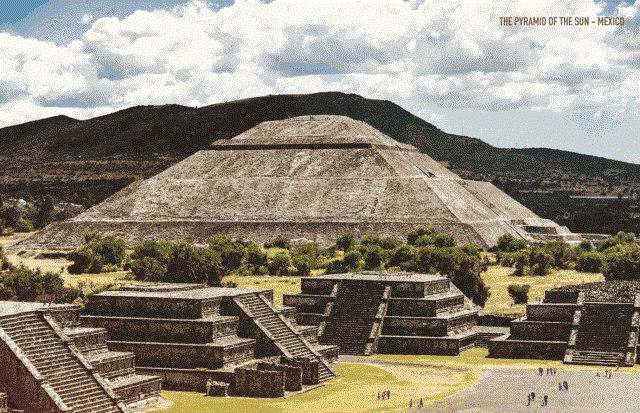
{"x":353,"y":317}
{"x":607,"y":334}
{"x":67,"y":373}
{"x":282,"y":333}
{"x":3,"y":403}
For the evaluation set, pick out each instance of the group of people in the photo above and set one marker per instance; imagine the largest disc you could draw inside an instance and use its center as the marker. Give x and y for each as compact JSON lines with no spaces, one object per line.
{"x":384,"y":395}
{"x":550,"y":371}
{"x":563,"y":386}
{"x":607,"y":374}
{"x":419,"y":404}
{"x":532,"y":397}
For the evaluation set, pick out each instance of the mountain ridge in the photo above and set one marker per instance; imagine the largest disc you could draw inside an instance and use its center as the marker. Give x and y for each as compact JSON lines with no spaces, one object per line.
{"x":140,"y":141}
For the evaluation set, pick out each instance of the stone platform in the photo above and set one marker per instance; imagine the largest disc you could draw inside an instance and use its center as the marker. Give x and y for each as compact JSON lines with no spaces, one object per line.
{"x":386,"y":312}
{"x":570,"y":325}
{"x":187,"y":334}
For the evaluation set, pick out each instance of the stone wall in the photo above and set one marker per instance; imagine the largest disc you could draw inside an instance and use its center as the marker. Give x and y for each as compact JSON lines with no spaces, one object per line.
{"x":259,"y":383}
{"x":540,"y":330}
{"x":523,"y":349}
{"x":164,"y":330}
{"x":552,"y":312}
{"x":406,"y":326}
{"x":306,"y":303}
{"x":292,"y":374}
{"x":316,"y":286}
{"x":419,"y":345}
{"x":308,"y":319}
{"x":187,"y":379}
{"x":153,"y":307}
{"x":560,"y":296}
{"x":417,"y":308}
{"x":186,"y":355}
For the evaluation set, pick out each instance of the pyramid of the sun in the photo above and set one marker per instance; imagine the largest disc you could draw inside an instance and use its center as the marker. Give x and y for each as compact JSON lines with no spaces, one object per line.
{"x":312,"y":177}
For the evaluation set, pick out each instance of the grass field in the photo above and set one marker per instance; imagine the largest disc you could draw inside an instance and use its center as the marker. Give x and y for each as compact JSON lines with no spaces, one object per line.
{"x":499,"y":278}
{"x":355,"y":390}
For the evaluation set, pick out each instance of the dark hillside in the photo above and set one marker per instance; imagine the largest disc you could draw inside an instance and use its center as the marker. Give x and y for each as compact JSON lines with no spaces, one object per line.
{"x":141,"y":141}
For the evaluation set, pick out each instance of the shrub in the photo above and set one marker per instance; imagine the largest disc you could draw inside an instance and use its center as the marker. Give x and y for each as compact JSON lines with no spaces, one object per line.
{"x":302,"y":265}
{"x":405,"y":256}
{"x":23,"y":225}
{"x":624,"y":264}
{"x":345,"y":241}
{"x":590,"y":262}
{"x":352,"y":260}
{"x":561,"y":252}
{"x":586,"y":246}
{"x":279,"y":265}
{"x":279,"y":242}
{"x":110,"y":248}
{"x":414,"y":235}
{"x":188,"y":264}
{"x":148,"y":269}
{"x":509,"y":243}
{"x":445,"y":240}
{"x":519,"y":293}
{"x":373,"y":257}
{"x":156,"y":249}
{"x":521,"y":262}
{"x":85,"y":260}
{"x":25,"y":284}
{"x":370,"y":240}
{"x":256,"y":257}
{"x":307,"y":253}
{"x":389,"y":243}
{"x":231,"y":253}
{"x":229,"y":284}
{"x":541,"y":262}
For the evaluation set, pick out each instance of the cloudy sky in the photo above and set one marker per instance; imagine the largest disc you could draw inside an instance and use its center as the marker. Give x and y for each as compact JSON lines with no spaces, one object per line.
{"x":450,"y":62}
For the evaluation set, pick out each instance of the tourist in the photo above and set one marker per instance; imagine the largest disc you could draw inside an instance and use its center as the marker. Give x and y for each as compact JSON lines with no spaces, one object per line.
{"x":597,"y":374}
{"x":533,"y":396}
{"x":545,"y":400}
{"x":529,"y":399}
{"x":410,"y":403}
{"x":208,"y":385}
{"x":566,"y":386}
{"x":559,"y":386}
{"x":378,"y":395}
{"x":421,"y":403}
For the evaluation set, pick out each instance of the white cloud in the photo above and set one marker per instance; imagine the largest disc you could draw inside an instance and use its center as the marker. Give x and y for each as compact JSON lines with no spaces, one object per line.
{"x":86,"y":18}
{"x":447,"y":54}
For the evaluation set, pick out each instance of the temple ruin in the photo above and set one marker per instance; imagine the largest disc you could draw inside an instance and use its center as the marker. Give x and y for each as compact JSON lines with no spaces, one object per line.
{"x":386,"y":312}
{"x":310,"y":177}
{"x":592,"y":324}
{"x":187,"y":334}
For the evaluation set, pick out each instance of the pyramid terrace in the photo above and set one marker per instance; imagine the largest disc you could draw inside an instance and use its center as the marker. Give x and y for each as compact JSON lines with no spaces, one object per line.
{"x":386,"y":312}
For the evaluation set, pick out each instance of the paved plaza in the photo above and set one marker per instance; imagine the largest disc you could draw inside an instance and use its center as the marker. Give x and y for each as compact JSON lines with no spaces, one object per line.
{"x":506,"y":390}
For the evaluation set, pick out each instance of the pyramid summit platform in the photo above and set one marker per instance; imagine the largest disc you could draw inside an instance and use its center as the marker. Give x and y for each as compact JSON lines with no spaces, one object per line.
{"x":310,"y":177}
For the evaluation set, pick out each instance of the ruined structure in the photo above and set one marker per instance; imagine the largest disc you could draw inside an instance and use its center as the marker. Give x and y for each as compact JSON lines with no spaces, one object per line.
{"x":312,"y":177}
{"x":189,"y":333}
{"x":52,"y":364}
{"x":386,"y":312}
{"x":594,"y":323}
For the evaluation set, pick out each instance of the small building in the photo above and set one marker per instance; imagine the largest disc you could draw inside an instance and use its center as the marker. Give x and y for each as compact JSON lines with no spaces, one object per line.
{"x":386,"y":312}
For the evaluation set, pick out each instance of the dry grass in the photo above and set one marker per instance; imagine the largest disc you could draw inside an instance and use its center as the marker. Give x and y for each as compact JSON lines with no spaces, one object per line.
{"x":499,"y":278}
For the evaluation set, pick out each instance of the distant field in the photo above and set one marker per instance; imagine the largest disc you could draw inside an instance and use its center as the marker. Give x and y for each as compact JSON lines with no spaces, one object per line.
{"x":499,"y":278}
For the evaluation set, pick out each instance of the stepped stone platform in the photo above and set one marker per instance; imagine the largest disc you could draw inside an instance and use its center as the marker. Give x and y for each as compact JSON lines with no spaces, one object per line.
{"x":385,"y":312}
{"x":313,"y":177}
{"x":591,"y":324}
{"x":51,"y":364}
{"x":188,"y":334}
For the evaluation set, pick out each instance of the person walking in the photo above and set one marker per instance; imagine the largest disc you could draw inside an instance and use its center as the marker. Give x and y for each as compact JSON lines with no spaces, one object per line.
{"x":378,"y":395}
{"x":421,"y":403}
{"x":410,"y":403}
{"x":533,"y":396}
{"x":208,"y":386}
{"x":559,"y":386}
{"x":545,"y":400}
{"x":529,"y":399}
{"x":566,"y":386}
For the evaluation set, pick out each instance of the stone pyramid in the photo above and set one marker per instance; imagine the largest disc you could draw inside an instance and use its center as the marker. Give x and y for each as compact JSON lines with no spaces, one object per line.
{"x":310,"y":177}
